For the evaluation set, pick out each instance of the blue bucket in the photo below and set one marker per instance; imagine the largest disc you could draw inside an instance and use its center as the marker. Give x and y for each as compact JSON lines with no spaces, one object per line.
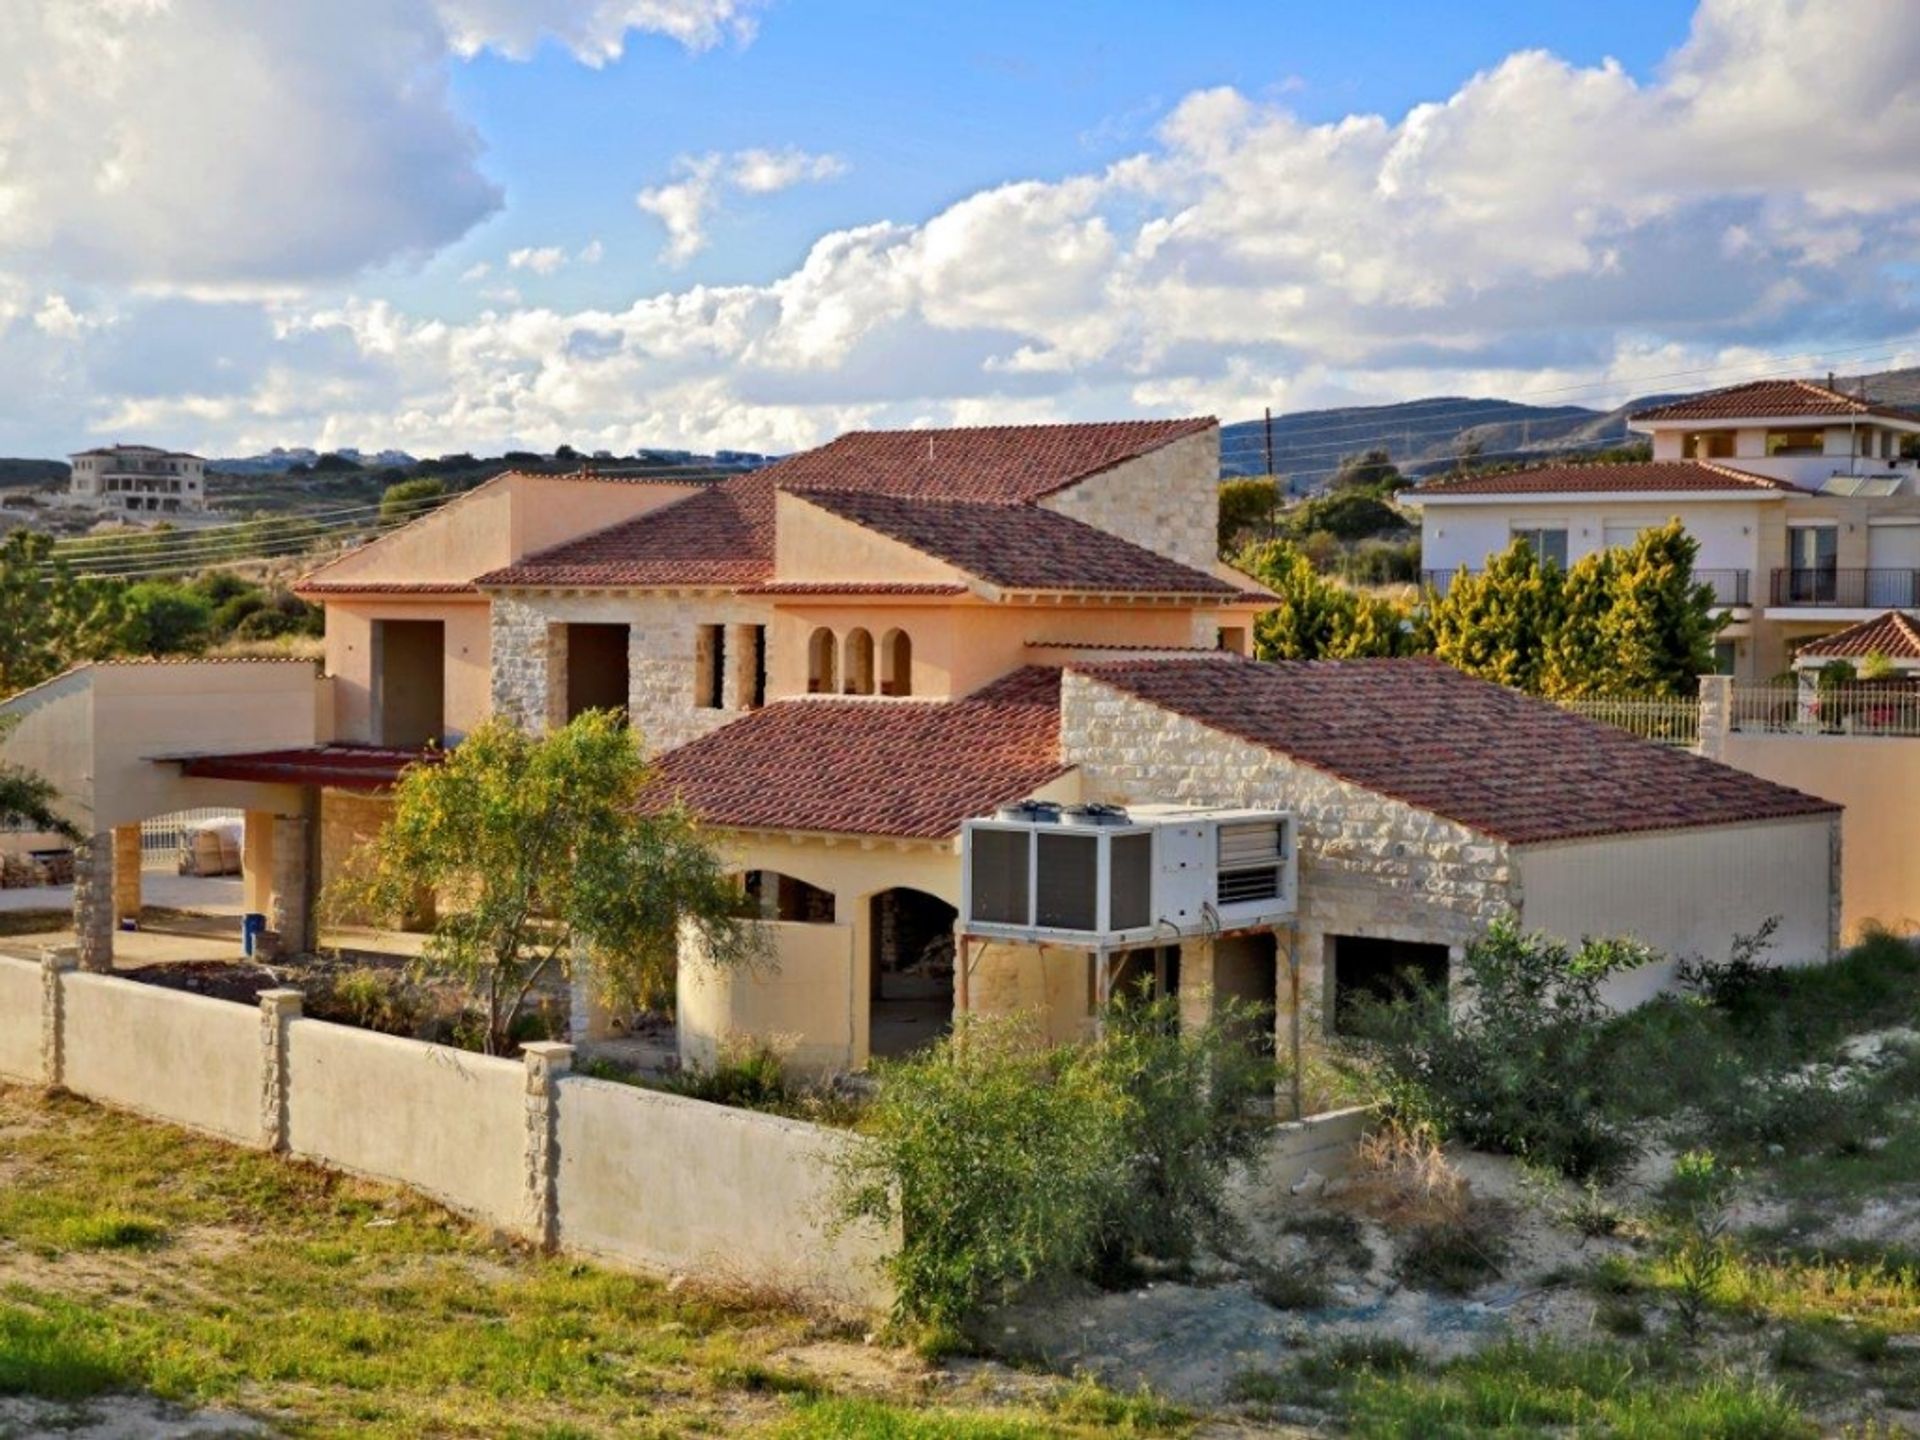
{"x":252,"y":927}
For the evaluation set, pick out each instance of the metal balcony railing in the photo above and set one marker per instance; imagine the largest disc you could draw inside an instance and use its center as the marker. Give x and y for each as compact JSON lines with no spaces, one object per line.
{"x":1832,"y":588}
{"x":1732,"y":588}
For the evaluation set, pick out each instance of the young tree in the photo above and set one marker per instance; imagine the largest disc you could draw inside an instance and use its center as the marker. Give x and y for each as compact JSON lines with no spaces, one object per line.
{"x":539,"y":843}
{"x":1249,"y":511}
{"x":50,"y":618}
{"x":1658,"y":633}
{"x":1316,"y":618}
{"x":1497,"y":624}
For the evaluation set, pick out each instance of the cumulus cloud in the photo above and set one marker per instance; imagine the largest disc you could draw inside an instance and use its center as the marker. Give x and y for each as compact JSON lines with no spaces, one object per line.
{"x":686,"y":205}
{"x":594,"y":30}
{"x":1546,"y":229}
{"x":541,"y":260}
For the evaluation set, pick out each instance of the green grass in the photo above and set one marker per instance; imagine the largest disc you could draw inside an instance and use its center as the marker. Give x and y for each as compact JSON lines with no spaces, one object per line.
{"x":135,"y":1257}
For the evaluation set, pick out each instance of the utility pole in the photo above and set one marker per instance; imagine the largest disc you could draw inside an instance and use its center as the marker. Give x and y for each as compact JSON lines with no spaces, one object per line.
{"x":1270,"y":442}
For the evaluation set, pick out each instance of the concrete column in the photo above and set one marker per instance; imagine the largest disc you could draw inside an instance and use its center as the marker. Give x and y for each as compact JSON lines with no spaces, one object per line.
{"x":1716,"y":715}
{"x":126,"y":873}
{"x":278,"y":1010}
{"x":293,"y":885}
{"x":54,"y":965}
{"x":256,"y":862}
{"x":93,"y":902}
{"x":1196,"y":983}
{"x":546,"y":1061}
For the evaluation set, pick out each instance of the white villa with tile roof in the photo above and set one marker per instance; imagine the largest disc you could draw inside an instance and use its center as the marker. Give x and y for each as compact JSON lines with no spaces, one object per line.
{"x":1802,"y":499}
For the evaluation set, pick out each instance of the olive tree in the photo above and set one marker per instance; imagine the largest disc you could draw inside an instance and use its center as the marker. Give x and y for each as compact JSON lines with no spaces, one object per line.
{"x":544,"y":852}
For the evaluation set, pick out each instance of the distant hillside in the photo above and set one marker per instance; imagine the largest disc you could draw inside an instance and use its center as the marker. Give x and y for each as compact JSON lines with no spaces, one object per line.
{"x":1426,"y":435}
{"x":38,"y":474}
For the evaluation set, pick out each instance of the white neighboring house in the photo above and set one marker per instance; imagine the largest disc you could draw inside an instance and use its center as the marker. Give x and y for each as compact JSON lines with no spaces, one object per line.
{"x":138,"y":479}
{"x":1806,"y":512}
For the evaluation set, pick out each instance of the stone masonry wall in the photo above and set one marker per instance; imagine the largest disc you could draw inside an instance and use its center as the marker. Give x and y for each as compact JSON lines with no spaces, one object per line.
{"x":662,"y":658}
{"x":1369,"y":865}
{"x":1167,"y":501}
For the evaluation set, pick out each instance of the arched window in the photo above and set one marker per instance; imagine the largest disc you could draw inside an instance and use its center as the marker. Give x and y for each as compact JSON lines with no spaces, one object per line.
{"x":821,"y":654}
{"x":896,"y":663}
{"x":859,"y":666}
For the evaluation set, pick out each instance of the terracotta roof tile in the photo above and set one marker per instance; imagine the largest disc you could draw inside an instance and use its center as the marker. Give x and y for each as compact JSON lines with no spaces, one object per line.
{"x":385,"y":587}
{"x":854,"y":587}
{"x":1767,"y":399}
{"x":724,"y":536}
{"x":905,"y":768}
{"x":1502,"y":763}
{"x":1893,"y":635}
{"x":1649,"y":476}
{"x":1019,"y":547}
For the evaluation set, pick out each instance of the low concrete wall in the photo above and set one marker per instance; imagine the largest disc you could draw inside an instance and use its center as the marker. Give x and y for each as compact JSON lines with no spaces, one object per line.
{"x":20,"y":1002}
{"x":163,"y":1053}
{"x":446,"y":1122}
{"x":681,"y":1184}
{"x":1322,"y":1144}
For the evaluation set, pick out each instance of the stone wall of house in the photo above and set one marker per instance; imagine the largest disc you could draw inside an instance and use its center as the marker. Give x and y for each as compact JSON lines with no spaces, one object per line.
{"x":1369,"y":865}
{"x":1168,"y":500}
{"x":664,"y":643}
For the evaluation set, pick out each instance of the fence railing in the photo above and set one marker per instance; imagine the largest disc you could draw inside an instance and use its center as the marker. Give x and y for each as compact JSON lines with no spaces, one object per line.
{"x":1864,"y":708}
{"x":1664,"y":719}
{"x":1826,"y":587}
{"x":1732,"y":588}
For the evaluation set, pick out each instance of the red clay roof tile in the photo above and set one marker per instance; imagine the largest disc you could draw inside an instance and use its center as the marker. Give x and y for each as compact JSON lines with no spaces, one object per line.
{"x":1019,"y":547}
{"x":1769,"y":399}
{"x":1489,"y":758}
{"x":1893,"y":635}
{"x":1647,"y":476}
{"x":724,"y":536}
{"x":903,"y":768}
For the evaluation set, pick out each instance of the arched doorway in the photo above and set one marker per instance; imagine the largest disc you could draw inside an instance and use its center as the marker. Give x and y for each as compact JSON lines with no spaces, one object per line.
{"x":911,"y":973}
{"x":822,"y":652}
{"x":859,"y":666}
{"x":896,"y":663}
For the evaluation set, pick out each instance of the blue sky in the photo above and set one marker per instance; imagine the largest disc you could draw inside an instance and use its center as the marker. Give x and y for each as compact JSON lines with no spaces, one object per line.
{"x":469,"y":224}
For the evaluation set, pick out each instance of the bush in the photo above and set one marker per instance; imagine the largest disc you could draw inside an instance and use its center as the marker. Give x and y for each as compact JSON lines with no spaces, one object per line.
{"x":369,"y":998}
{"x":1523,"y":1066}
{"x":1007,"y":1162}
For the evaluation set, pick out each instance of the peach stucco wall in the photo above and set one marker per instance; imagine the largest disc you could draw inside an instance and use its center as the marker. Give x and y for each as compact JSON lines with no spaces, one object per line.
{"x":813,"y":544}
{"x":350,"y":659}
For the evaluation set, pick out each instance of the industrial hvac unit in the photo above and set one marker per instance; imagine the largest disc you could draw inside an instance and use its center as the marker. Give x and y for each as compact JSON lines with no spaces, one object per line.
{"x":1101,"y":876}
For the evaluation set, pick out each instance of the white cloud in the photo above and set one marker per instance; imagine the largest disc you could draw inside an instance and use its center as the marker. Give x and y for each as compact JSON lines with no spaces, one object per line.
{"x":475,"y":272}
{"x":1545,"y":226}
{"x":591,"y":253}
{"x":684,"y":206}
{"x":594,"y":30}
{"x":541,"y":260}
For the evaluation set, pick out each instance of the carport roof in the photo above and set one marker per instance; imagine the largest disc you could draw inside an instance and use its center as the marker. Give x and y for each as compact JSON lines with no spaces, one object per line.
{"x":338,"y":767}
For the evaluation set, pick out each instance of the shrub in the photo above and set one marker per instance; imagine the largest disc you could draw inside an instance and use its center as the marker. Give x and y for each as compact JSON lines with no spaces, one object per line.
{"x":1741,"y":982}
{"x":1698,"y":1252}
{"x":1008,"y":1162}
{"x":369,"y":998}
{"x":748,"y":1074}
{"x":1521,"y":1066}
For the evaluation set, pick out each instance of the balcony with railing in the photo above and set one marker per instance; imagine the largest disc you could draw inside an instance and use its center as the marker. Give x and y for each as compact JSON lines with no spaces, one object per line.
{"x":1731,"y":588}
{"x":1830,"y":588}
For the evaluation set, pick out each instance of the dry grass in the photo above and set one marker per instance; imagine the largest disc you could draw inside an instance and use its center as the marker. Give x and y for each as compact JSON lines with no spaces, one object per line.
{"x":1446,"y":1237}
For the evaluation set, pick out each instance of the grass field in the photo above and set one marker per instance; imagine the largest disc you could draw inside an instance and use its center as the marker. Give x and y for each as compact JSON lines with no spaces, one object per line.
{"x":134,"y":1258}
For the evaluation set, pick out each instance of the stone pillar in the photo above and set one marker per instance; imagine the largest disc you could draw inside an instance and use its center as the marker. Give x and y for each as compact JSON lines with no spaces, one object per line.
{"x":54,"y":965}
{"x":278,"y":1010}
{"x":546,"y":1062}
{"x":555,"y":662}
{"x":256,"y":862}
{"x":1196,"y":983}
{"x":293,"y":885}
{"x":1716,"y":715}
{"x":126,"y":873}
{"x":93,"y":902}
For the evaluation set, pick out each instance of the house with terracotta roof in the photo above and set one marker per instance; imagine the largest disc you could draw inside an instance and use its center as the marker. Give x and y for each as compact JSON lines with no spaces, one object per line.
{"x":878,"y":669}
{"x":1804,"y":501}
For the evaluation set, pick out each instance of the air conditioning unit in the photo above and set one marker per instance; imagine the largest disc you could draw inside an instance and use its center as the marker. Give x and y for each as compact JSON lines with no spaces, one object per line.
{"x":1106,"y":877}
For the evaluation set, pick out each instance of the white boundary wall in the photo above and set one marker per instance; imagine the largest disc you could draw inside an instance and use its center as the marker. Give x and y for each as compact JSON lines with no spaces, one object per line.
{"x":20,"y":1019}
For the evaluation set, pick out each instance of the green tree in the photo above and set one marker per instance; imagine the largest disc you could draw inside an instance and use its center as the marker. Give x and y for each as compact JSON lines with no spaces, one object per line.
{"x":1371,"y":470}
{"x":1344,"y":514}
{"x":401,"y":503}
{"x":164,"y":617}
{"x":50,"y":618}
{"x":332,"y":463}
{"x":1249,"y":511}
{"x":1658,"y":633}
{"x":1497,"y":624}
{"x":1576,"y":663}
{"x":540,"y":841}
{"x":1315,"y":618}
